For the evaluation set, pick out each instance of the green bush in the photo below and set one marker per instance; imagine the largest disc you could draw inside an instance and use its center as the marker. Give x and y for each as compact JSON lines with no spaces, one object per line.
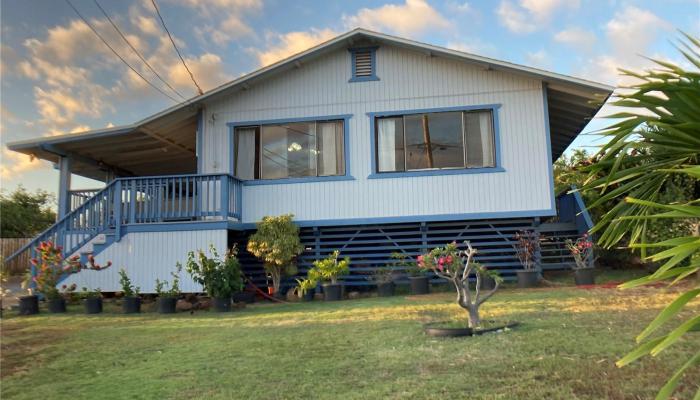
{"x":220,"y":277}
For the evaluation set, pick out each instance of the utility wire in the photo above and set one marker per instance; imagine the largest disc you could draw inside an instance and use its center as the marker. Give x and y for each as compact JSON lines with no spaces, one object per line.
{"x":117,"y":54}
{"x":136,"y":51}
{"x":199,"y":89}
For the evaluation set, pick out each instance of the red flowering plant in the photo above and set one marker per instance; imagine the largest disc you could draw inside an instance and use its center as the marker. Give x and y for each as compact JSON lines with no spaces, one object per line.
{"x":50,"y":266}
{"x":582,"y":250}
{"x":458,"y":266}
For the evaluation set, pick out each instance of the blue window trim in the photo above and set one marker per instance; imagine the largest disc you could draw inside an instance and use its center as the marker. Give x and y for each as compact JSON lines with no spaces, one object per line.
{"x":550,"y":170}
{"x":432,"y":172}
{"x":283,"y":181}
{"x":373,"y":54}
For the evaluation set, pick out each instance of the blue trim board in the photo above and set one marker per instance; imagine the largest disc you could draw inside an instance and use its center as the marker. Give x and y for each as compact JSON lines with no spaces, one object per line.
{"x":346,"y":149}
{"x":373,"y":57}
{"x":200,"y":140}
{"x":451,"y":171}
{"x":548,"y":135}
{"x":175,"y":226}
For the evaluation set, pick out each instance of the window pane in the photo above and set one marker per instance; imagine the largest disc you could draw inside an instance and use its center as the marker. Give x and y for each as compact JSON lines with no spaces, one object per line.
{"x":479,"y":131}
{"x":245,"y":153}
{"x":330,"y":148}
{"x":434,"y":141}
{"x":288,"y":150}
{"x":390,"y":149}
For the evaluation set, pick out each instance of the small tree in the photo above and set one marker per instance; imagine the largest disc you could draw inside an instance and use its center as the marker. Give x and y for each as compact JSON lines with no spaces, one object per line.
{"x":329,"y":268}
{"x":277,"y":244}
{"x":220,"y":277}
{"x":527,"y":247}
{"x":458,"y":267}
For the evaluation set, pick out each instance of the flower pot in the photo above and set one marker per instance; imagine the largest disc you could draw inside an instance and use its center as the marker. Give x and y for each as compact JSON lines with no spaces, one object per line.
{"x":584,"y":276}
{"x":93,"y":305}
{"x":419,"y":285}
{"x":244,"y":297}
{"x":29,"y":305}
{"x":166,"y":305}
{"x":309,"y":295}
{"x":332,"y":292}
{"x":56,"y":306}
{"x":221,"y":304}
{"x":385,"y":289}
{"x":487,"y":283}
{"x":131,"y":305}
{"x":527,"y":278}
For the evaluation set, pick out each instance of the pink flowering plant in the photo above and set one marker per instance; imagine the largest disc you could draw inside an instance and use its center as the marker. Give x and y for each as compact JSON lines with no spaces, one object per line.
{"x":50,"y":265}
{"x":458,"y":266}
{"x":582,"y":250}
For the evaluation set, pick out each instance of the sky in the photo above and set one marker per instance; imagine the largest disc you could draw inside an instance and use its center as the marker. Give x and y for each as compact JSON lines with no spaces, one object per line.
{"x":58,"y":77}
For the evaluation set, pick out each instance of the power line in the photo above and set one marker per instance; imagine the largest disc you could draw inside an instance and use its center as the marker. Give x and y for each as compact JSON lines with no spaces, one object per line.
{"x":136,"y":51}
{"x":199,"y":89}
{"x":117,"y":54}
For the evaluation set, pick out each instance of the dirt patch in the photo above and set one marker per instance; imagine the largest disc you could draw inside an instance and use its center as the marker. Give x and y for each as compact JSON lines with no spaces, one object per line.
{"x":23,"y":348}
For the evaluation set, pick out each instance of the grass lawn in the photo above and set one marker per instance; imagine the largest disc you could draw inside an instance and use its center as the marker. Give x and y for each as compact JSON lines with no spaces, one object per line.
{"x":362,"y":349}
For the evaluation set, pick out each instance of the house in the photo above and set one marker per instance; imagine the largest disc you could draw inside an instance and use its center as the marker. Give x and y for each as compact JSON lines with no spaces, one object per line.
{"x":376,"y":144}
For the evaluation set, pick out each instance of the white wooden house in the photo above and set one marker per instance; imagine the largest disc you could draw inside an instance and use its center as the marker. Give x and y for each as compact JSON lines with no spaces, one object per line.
{"x":375,"y":143}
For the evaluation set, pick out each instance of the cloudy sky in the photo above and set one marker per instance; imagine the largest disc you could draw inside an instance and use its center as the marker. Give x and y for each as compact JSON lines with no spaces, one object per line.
{"x":58,"y":77}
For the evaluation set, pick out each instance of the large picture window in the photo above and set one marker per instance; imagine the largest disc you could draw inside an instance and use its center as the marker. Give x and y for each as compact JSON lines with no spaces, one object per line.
{"x":289,"y":150}
{"x":431,"y":141}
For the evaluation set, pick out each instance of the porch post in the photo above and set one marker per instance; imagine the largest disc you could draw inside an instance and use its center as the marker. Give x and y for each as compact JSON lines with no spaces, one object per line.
{"x":64,"y":166}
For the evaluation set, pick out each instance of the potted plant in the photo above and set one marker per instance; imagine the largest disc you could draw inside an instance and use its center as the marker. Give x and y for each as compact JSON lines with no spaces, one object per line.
{"x":48,"y":268}
{"x":131,"y":302}
{"x":582,"y":250}
{"x":416,"y":276}
{"x":458,"y":268}
{"x":306,"y":289}
{"x":488,"y":282}
{"x":167,"y":298}
{"x":328,"y":270}
{"x":92,"y":299}
{"x":220,"y":278}
{"x":276,"y":242}
{"x":527,"y":247}
{"x":384,"y":279}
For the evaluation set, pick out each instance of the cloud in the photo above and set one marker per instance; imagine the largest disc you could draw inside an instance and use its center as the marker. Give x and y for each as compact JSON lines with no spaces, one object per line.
{"x":208,"y":68}
{"x":530,"y":15}
{"x":15,"y":164}
{"x":287,"y":44}
{"x":539,"y":59}
{"x":231,"y":28}
{"x":224,"y":19}
{"x":576,"y":37}
{"x":474,"y":46}
{"x":411,"y":19}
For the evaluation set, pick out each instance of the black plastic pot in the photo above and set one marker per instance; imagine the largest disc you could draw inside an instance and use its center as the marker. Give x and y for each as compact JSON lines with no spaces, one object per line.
{"x":221,"y":304}
{"x":244,"y":297}
{"x":584,"y":276}
{"x":166,"y":305}
{"x":527,"y":278}
{"x":93,"y":305}
{"x":309,"y":295}
{"x":385,"y":289}
{"x":436,"y":331}
{"x":56,"y":306}
{"x":131,"y":305}
{"x":487,"y":283}
{"x":332,"y":292}
{"x":29,"y":305}
{"x":419,"y":284}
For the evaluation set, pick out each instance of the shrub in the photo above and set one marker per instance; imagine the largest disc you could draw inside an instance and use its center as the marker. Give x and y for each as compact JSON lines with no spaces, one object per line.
{"x":329,"y":268}
{"x":219,"y":277}
{"x":304,"y":285}
{"x":527,"y":247}
{"x":128,"y":288}
{"x":582,"y":250}
{"x":174,"y":291}
{"x":403,"y":261}
{"x":277,"y":244}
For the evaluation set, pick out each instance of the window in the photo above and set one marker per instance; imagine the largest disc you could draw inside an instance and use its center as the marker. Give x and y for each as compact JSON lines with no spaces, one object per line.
{"x":430,"y":141}
{"x":364,"y":64}
{"x":290,"y":150}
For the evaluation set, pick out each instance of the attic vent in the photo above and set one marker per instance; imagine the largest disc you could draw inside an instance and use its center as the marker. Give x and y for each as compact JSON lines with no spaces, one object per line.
{"x":364,"y":66}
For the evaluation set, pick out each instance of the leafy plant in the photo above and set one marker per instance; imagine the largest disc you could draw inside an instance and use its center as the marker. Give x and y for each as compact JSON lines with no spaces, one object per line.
{"x":162,"y":286}
{"x":383,"y":274}
{"x":527,"y":247}
{"x":276,"y":242}
{"x":26,"y":214}
{"x":458,"y":267}
{"x":582,"y":250}
{"x":403,"y":261}
{"x":128,"y":288}
{"x":304,"y":285}
{"x":329,"y":268}
{"x":220,"y":277}
{"x":86,"y":293}
{"x":655,"y":141}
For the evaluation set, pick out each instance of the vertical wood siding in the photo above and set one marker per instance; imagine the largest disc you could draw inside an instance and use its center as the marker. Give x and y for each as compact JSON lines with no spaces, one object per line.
{"x":408,"y":80}
{"x":147,"y":256}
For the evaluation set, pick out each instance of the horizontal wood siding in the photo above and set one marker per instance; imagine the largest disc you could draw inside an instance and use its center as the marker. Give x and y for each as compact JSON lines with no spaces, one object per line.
{"x":147,"y":256}
{"x":408,"y":80}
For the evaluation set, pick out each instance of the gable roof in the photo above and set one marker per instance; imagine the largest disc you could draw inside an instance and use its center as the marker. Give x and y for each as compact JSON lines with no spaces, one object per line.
{"x":572,"y":101}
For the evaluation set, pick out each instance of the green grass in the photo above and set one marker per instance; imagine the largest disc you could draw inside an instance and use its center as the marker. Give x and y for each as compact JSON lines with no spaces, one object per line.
{"x":362,"y":349}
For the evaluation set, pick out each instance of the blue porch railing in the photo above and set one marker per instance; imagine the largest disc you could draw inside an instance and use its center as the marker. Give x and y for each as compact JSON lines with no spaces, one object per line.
{"x":144,"y":200}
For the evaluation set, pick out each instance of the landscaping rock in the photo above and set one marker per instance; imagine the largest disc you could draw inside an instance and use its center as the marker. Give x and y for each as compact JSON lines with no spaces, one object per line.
{"x":292,"y":296}
{"x":354,"y":295}
{"x":203,"y":304}
{"x":183,"y":305}
{"x":318,"y":296}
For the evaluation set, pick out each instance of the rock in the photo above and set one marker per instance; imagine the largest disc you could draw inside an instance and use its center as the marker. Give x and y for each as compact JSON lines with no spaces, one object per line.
{"x":191,"y":297}
{"x":353,"y":295}
{"x":183,"y":305}
{"x":292,"y":296}
{"x":204,"y":304}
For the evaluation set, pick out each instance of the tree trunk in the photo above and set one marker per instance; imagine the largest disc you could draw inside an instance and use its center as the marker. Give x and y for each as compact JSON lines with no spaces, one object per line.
{"x":474,"y":320}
